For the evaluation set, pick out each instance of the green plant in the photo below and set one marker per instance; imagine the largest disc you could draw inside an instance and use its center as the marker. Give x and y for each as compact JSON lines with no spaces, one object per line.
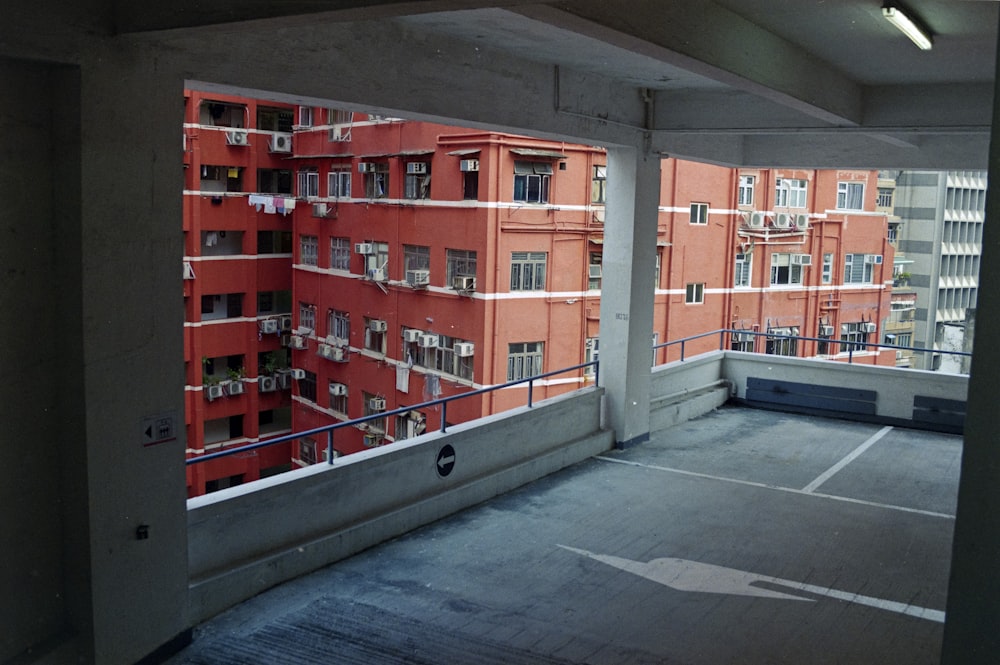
{"x":236,"y":374}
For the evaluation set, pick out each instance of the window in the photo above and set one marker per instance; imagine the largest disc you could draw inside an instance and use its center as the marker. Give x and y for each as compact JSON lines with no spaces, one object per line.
{"x":274,"y":242}
{"x":307,"y":316}
{"x":444,"y":359}
{"x":857,"y":270}
{"x":274,"y":181}
{"x":741,"y":274}
{"x":308,"y":250}
{"x":460,"y":263}
{"x":531,"y":181}
{"x":783,"y":271}
{"x":274,"y":119}
{"x":307,"y":386}
{"x":850,"y":195}
{"x":695,"y":293}
{"x":307,"y":450}
{"x":374,"y":405}
{"x":308,"y":183}
{"x":594,"y":271}
{"x":527,"y":271}
{"x":893,"y":235}
{"x":340,"y":253}
{"x":824,"y":334}
{"x":410,"y":425}
{"x":885,"y":195}
{"x":274,"y":302}
{"x":416,"y":257}
{"x":305,"y":116}
{"x":854,"y":336}
{"x":375,"y":335}
{"x":900,"y":339}
{"x":656,"y":272}
{"x":790,"y":193}
{"x":377,"y":263}
{"x":377,"y":181}
{"x":699,"y":213}
{"x":744,"y":194}
{"x":591,"y":352}
{"x":338,"y":324}
{"x":338,"y":183}
{"x":827,"y":268}
{"x":742,"y":341}
{"x":338,"y":403}
{"x":782,"y":341}
{"x":524,"y":360}
{"x":599,"y":184}
{"x":417,"y":185}
{"x":470,"y":185}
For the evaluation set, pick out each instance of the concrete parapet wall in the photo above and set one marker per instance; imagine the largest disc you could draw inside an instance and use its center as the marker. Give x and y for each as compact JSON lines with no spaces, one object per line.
{"x":245,"y":539}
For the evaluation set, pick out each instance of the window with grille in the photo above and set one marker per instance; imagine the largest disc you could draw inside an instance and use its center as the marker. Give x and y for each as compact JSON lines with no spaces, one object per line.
{"x":524,"y":360}
{"x":853,"y":337}
{"x":460,"y":263}
{"x":340,"y":253}
{"x":338,"y":184}
{"x":531,"y":181}
{"x":857,"y":270}
{"x":308,"y":182}
{"x":308,"y":250}
{"x":338,"y":324}
{"x":307,"y":316}
{"x":527,"y":271}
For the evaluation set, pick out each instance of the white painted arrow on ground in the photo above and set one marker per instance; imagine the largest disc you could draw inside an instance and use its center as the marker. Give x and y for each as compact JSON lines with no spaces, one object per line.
{"x":686,"y":575}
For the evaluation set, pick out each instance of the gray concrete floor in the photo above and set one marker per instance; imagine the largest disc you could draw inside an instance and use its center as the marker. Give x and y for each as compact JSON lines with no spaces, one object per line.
{"x":743,"y":536}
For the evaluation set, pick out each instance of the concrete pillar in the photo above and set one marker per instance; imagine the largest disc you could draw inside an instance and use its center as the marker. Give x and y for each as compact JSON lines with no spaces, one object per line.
{"x":633,"y":199}
{"x":972,"y":627}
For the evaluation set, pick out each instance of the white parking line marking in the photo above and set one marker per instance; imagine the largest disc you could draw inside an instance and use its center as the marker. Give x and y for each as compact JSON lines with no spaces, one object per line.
{"x":853,"y":455}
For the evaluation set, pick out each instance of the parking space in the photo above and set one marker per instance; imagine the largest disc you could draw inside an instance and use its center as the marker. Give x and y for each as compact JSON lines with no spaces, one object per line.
{"x":740,"y":537}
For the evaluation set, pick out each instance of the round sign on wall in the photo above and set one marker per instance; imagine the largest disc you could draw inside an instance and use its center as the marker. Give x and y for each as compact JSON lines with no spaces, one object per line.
{"x":445,"y":461}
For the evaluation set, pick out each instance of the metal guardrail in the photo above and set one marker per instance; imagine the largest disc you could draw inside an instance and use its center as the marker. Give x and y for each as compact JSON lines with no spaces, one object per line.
{"x":852,"y":346}
{"x":442,"y":401}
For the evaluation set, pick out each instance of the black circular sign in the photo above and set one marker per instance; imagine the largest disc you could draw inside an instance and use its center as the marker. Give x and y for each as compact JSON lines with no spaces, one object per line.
{"x":445,"y":461}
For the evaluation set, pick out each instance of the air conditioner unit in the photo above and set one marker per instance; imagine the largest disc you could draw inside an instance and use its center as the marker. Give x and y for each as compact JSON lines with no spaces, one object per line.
{"x":297,"y":342}
{"x":594,"y":271}
{"x":468,"y":165}
{"x":238,"y":137}
{"x":286,"y":322}
{"x":286,"y":338}
{"x":363,"y":248}
{"x":742,"y":337}
{"x":376,"y":404}
{"x":188,"y":270}
{"x":285,"y":379}
{"x":371,"y":440}
{"x":235,"y":388}
{"x":267,"y":384}
{"x":802,"y":222}
{"x":320,"y":209}
{"x":802,"y":259}
{"x":213,"y":392}
{"x":338,"y":389}
{"x":756,"y":220}
{"x":377,"y":274}
{"x":416,"y":168}
{"x":428,"y":341}
{"x":269,"y":326}
{"x":298,"y":374}
{"x":464,"y":283}
{"x":868,"y":327}
{"x":377,"y":325}
{"x":782,"y":220}
{"x":826,"y":331}
{"x":366,"y":167}
{"x":281,"y":143}
{"x":464,"y":349}
{"x":338,"y":354}
{"x":324,"y":350}
{"x":418,"y":277}
{"x":411,"y":335}
{"x":873,"y":258}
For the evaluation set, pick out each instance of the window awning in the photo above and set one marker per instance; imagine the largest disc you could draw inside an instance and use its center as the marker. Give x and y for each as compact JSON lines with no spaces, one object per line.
{"x":339,"y":155}
{"x":465,"y":151}
{"x":523,"y":167}
{"x":532,"y":152}
{"x":416,"y":153}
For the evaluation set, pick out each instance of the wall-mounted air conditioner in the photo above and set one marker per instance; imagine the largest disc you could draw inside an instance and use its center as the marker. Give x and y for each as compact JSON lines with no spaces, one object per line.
{"x":338,"y":354}
{"x":377,"y":274}
{"x":238,"y":137}
{"x":418,"y":277}
{"x":281,"y":143}
{"x":802,"y":259}
{"x":868,"y":327}
{"x":213,"y":392}
{"x":364,"y":248}
{"x":371,"y":440}
{"x":297,"y":342}
{"x":428,"y":340}
{"x":782,"y":220}
{"x":369,"y":167}
{"x":756,"y":220}
{"x":826,"y":331}
{"x":464,"y":283}
{"x":468,"y":165}
{"x":267,"y":384}
{"x":377,"y":325}
{"x":802,"y":222}
{"x":269,"y":326}
{"x":298,"y":374}
{"x":416,"y":168}
{"x":464,"y":349}
{"x":188,"y":270}
{"x":324,"y":350}
{"x":338,"y":390}
{"x":320,"y":210}
{"x":594,"y":271}
{"x":873,"y":258}
{"x":235,"y":387}
{"x":411,"y":335}
{"x":376,"y":404}
{"x":285,"y":321}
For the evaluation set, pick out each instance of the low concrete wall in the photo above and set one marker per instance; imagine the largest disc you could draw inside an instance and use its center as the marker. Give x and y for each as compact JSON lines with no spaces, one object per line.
{"x":683,"y":390}
{"x":248,"y":538}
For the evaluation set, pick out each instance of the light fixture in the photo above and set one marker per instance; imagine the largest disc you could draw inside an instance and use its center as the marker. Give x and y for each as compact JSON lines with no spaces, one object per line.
{"x":908,"y":25}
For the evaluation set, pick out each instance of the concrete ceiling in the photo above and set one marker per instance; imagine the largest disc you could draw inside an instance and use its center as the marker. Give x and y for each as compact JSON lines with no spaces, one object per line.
{"x":755,"y":82}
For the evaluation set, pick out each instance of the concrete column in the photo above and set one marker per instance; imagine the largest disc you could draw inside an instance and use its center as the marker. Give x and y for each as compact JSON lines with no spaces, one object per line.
{"x":972,"y":627}
{"x":633,"y":199}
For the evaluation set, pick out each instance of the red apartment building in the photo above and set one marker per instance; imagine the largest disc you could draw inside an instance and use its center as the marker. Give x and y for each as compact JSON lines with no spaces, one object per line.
{"x":345,"y":265}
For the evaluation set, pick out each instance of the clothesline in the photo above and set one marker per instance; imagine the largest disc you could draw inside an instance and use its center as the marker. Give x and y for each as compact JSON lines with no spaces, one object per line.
{"x":272,"y":204}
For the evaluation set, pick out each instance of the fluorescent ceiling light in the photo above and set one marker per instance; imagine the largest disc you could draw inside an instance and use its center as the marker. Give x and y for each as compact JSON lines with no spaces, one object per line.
{"x":907,"y":25}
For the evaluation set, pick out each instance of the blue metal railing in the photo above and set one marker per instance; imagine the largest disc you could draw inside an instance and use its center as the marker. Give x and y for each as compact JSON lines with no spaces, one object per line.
{"x":442,"y":401}
{"x":851,"y":345}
